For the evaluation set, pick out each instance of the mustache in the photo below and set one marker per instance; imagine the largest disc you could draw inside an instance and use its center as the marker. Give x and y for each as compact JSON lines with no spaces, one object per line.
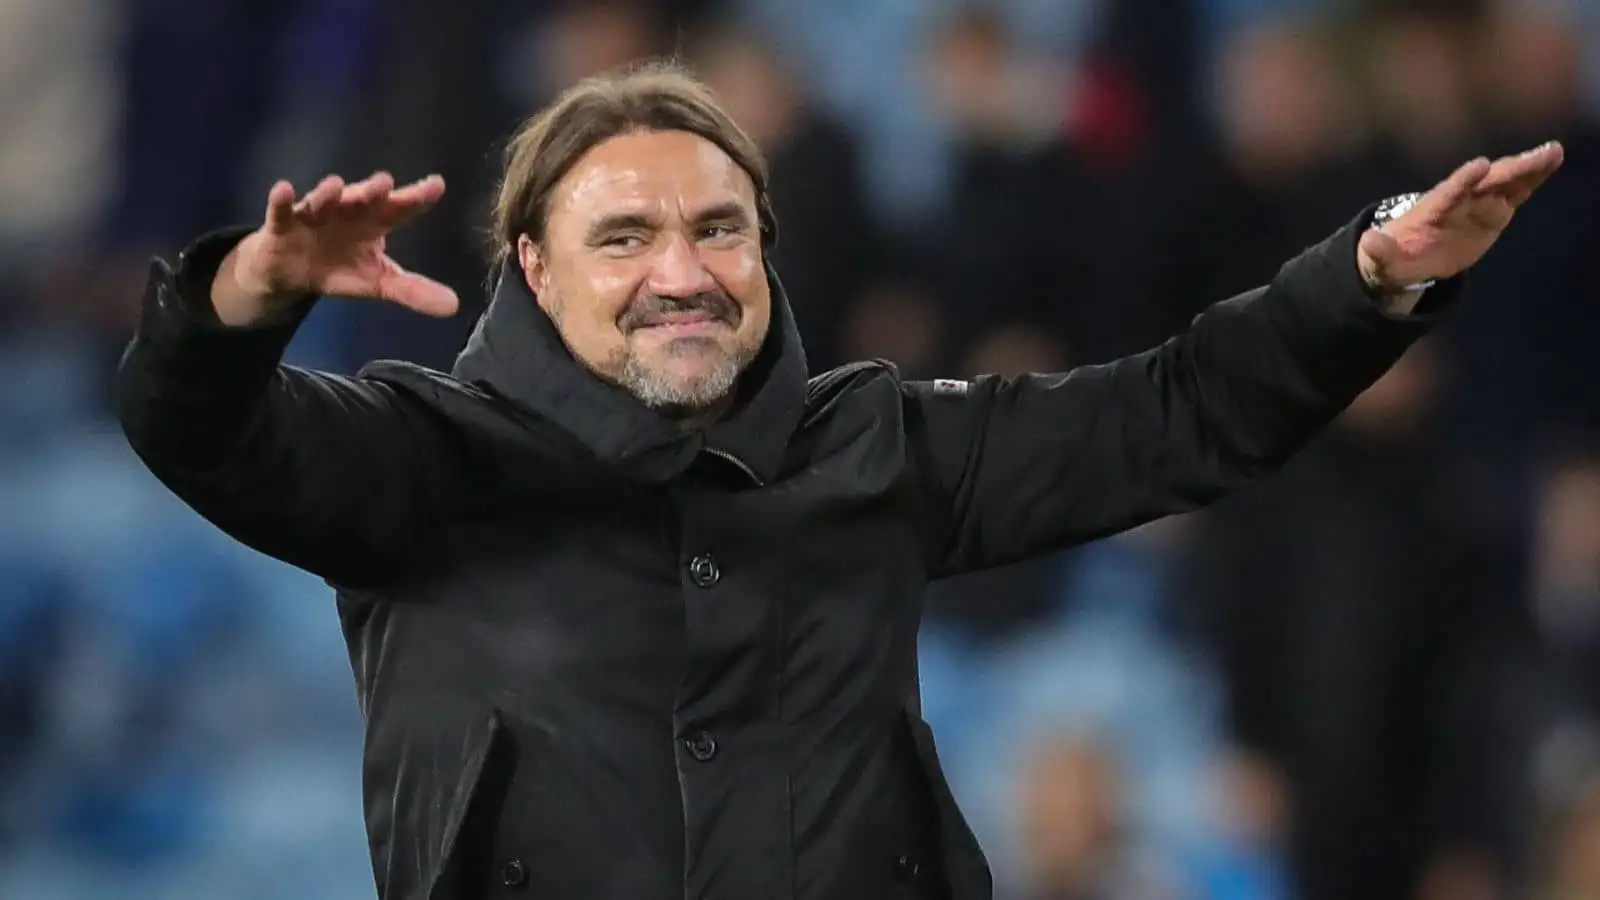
{"x":654,"y":309}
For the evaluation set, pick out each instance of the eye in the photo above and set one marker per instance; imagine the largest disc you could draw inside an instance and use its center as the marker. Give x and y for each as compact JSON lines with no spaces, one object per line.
{"x":624,"y":242}
{"x":713,"y":232}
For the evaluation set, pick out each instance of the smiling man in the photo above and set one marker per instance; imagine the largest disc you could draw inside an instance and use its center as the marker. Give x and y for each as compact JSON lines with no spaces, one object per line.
{"x":631,"y":597}
{"x":648,"y":259}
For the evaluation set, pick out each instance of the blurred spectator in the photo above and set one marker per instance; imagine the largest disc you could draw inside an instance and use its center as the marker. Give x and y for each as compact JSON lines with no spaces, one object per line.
{"x":1101,"y":660}
{"x":1565,"y":580}
{"x":1075,"y":839}
{"x":1361,"y":606}
{"x":1283,"y":108}
{"x":1246,"y":856}
{"x":59,"y":165}
{"x":1568,"y":856}
{"x":1526,"y":336}
{"x":867,"y":60}
{"x":1534,"y":81}
{"x":1004,"y":251}
{"x":1290,"y":164}
{"x":588,"y":38}
{"x":1435,"y":122}
{"x":1154,"y":50}
{"x":57,"y":156}
{"x":897,"y":320}
{"x":828,"y":251}
{"x":448,"y":83}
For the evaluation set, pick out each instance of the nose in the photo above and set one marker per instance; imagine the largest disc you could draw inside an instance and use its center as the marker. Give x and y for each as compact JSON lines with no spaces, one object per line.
{"x":678,"y":271}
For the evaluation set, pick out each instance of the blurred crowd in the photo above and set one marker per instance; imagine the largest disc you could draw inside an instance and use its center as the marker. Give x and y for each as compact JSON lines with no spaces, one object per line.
{"x":1376,"y":676}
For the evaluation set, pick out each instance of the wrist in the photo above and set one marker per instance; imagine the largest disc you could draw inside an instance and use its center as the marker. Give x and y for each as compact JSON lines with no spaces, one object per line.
{"x":240,"y":300}
{"x":1392,"y":299}
{"x":1399,"y":299}
{"x":1368,"y":267}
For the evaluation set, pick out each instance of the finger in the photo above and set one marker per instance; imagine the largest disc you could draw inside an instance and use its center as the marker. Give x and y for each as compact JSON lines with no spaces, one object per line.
{"x":1512,"y":168}
{"x":358,"y":202}
{"x":366,"y":192}
{"x":1519,"y":193}
{"x":421,"y":189}
{"x":315,"y":204}
{"x":1453,"y":191}
{"x":418,"y":293}
{"x":1542,"y":164}
{"x":280,"y":208}
{"x":414,"y":199}
{"x":1540,"y":161}
{"x":423,"y":192}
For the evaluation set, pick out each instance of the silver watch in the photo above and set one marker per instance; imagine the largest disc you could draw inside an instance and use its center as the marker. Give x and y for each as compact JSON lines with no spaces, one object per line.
{"x":1391,"y":209}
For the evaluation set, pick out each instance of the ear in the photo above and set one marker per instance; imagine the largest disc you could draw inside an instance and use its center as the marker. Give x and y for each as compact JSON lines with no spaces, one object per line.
{"x":534,"y":268}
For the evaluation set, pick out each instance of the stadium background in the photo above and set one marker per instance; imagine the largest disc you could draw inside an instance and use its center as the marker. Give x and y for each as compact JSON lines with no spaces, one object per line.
{"x":1376,"y":676}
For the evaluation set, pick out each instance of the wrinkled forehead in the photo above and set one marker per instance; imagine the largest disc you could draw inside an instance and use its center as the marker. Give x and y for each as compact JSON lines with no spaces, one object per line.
{"x":668,"y":174}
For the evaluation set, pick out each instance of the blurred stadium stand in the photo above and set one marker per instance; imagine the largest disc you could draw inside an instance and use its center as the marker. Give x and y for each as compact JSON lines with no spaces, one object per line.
{"x":1376,"y":677}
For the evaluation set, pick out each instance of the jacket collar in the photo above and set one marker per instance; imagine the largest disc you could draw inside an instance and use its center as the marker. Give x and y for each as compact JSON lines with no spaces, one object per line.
{"x":515,"y":352}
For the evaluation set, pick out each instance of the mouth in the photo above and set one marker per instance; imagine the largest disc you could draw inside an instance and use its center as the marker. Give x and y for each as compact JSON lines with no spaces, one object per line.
{"x":684,"y":324}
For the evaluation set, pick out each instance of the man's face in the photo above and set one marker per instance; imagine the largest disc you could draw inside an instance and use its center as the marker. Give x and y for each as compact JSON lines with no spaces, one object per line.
{"x":651,"y":268}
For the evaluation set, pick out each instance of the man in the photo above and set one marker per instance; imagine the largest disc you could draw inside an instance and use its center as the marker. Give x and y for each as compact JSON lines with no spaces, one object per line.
{"x":631,"y":601}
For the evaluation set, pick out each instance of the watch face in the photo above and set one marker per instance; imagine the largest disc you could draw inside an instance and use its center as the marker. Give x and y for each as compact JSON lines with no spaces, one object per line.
{"x":1395,"y":207}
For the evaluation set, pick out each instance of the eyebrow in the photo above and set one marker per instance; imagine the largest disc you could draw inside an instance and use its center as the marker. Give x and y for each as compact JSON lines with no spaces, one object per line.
{"x":729,"y":211}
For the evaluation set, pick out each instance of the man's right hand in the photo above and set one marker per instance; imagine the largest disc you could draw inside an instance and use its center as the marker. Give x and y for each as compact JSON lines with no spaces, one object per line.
{"x":329,"y":242}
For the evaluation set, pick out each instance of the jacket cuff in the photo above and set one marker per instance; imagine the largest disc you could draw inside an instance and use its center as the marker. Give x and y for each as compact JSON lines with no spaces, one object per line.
{"x":1329,"y":292}
{"x":180,"y":325}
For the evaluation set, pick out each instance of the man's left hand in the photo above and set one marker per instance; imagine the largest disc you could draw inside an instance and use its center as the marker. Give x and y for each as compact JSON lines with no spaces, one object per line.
{"x":1456,"y":223}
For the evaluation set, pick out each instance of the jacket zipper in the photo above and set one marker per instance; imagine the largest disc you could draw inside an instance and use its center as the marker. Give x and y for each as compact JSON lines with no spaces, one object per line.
{"x":738,"y":462}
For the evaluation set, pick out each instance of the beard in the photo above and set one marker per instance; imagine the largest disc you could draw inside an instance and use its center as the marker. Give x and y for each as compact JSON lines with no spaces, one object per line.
{"x":657,"y":377}
{"x":685,"y":377}
{"x":658,"y":386}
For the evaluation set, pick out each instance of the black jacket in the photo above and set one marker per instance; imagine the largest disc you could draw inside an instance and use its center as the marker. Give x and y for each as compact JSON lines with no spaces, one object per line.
{"x":599,"y":658}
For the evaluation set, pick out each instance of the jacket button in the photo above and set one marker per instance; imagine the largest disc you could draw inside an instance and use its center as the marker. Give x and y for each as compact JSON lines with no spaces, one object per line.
{"x":705,"y":571}
{"x":513,"y":874}
{"x":906,"y":868}
{"x":702,"y":746}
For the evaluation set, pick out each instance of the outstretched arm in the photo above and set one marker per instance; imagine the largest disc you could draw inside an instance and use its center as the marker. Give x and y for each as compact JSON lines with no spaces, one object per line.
{"x":332,"y":474}
{"x":1016,"y":467}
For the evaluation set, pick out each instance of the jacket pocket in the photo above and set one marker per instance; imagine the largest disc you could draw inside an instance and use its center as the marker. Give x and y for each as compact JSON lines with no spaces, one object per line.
{"x":961,"y":857}
{"x":464,"y":801}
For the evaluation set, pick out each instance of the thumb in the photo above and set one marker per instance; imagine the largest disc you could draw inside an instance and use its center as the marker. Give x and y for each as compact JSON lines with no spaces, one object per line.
{"x":418,"y":293}
{"x":1380,"y":251}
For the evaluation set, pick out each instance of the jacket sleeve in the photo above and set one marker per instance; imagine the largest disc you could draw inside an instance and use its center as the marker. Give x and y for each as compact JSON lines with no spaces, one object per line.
{"x":1013,"y":467}
{"x":331,"y":474}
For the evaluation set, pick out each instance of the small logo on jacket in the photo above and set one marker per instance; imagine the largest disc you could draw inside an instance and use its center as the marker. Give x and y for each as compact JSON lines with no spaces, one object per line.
{"x":949,"y":387}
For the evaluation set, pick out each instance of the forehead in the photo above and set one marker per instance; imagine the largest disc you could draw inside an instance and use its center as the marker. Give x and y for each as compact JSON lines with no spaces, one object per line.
{"x":661,"y":172}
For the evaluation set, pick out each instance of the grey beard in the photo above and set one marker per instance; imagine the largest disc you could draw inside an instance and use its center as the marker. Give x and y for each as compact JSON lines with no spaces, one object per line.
{"x":682,"y":396}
